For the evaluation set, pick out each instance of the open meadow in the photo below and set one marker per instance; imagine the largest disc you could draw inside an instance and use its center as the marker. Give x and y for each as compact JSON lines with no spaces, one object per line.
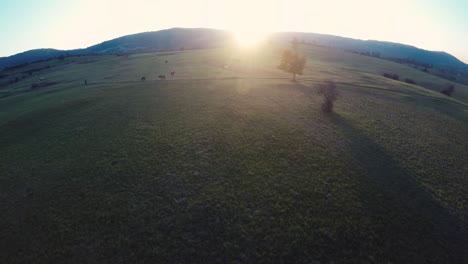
{"x":230,"y":161}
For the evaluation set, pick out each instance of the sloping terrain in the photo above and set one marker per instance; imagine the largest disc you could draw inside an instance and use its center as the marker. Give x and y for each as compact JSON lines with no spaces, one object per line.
{"x":176,"y":39}
{"x":162,"y":40}
{"x":385,"y":49}
{"x":230,"y":161}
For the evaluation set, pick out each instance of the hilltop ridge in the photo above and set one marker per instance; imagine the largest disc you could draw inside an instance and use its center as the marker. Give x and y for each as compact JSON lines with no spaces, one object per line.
{"x":201,"y":38}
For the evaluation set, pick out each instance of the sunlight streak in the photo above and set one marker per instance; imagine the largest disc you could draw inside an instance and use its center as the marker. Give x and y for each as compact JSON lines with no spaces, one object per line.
{"x":249,"y":38}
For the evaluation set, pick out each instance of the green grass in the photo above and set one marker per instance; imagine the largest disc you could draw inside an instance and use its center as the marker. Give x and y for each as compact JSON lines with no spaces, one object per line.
{"x":238,"y":166}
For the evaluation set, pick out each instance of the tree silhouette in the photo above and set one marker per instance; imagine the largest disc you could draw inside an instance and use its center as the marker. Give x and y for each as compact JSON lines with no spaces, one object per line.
{"x":329,"y":93}
{"x":292,"y":62}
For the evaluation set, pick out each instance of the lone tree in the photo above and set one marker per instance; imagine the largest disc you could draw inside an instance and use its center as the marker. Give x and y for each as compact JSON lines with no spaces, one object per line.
{"x":292,"y":62}
{"x":329,"y":93}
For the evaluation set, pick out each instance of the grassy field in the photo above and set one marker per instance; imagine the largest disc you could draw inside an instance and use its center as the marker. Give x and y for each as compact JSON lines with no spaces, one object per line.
{"x":229,"y":161}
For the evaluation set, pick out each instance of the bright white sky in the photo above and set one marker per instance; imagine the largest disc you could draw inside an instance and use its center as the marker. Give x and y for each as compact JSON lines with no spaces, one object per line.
{"x":428,"y":24}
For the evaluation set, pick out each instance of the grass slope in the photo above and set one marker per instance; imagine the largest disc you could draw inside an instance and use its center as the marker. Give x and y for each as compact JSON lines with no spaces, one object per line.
{"x":237,"y":166}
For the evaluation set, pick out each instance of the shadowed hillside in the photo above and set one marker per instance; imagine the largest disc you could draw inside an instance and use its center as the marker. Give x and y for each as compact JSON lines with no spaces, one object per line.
{"x":163,"y":40}
{"x":230,"y":161}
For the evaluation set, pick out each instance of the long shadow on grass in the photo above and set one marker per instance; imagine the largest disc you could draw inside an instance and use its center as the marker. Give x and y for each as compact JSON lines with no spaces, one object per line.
{"x":409,"y":224}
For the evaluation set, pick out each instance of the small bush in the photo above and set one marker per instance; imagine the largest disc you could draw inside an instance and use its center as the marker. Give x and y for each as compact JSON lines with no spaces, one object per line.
{"x":329,"y":93}
{"x":42,"y":84}
{"x":410,"y":81}
{"x":448,"y":89}
{"x":393,"y":76}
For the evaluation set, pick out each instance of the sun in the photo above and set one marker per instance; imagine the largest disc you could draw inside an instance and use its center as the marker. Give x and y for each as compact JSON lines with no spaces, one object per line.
{"x":248,"y":37}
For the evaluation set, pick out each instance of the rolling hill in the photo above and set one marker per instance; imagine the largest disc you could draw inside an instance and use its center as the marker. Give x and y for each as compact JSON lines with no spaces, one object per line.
{"x":163,"y":40}
{"x":230,"y":161}
{"x":200,"y":38}
{"x":385,"y":49}
{"x":29,"y":56}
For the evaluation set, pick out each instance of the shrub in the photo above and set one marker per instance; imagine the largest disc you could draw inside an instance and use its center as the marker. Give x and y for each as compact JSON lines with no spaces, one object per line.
{"x":329,"y":94}
{"x":410,"y":81}
{"x":393,"y":76}
{"x":42,"y":84}
{"x":448,"y":89}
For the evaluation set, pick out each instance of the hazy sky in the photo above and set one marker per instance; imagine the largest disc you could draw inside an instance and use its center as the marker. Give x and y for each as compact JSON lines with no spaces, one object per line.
{"x":429,"y":24}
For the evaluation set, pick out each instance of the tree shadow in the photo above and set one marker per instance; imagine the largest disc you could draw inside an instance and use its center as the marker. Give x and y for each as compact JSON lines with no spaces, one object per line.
{"x":408,"y":223}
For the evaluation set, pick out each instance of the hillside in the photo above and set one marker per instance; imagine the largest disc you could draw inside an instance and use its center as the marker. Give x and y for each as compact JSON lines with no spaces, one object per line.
{"x":200,"y":38}
{"x":385,"y":49}
{"x":230,"y":161}
{"x":163,"y":40}
{"x":29,"y":56}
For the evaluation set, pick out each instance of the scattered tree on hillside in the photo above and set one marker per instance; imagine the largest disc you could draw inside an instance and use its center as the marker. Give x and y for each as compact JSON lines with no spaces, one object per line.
{"x":410,"y":81}
{"x":448,"y":89}
{"x":393,"y":76}
{"x":292,"y":62}
{"x":329,"y":94}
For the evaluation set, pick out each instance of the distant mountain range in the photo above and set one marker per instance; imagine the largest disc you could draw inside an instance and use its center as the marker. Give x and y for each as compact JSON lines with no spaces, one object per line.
{"x":200,"y":38}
